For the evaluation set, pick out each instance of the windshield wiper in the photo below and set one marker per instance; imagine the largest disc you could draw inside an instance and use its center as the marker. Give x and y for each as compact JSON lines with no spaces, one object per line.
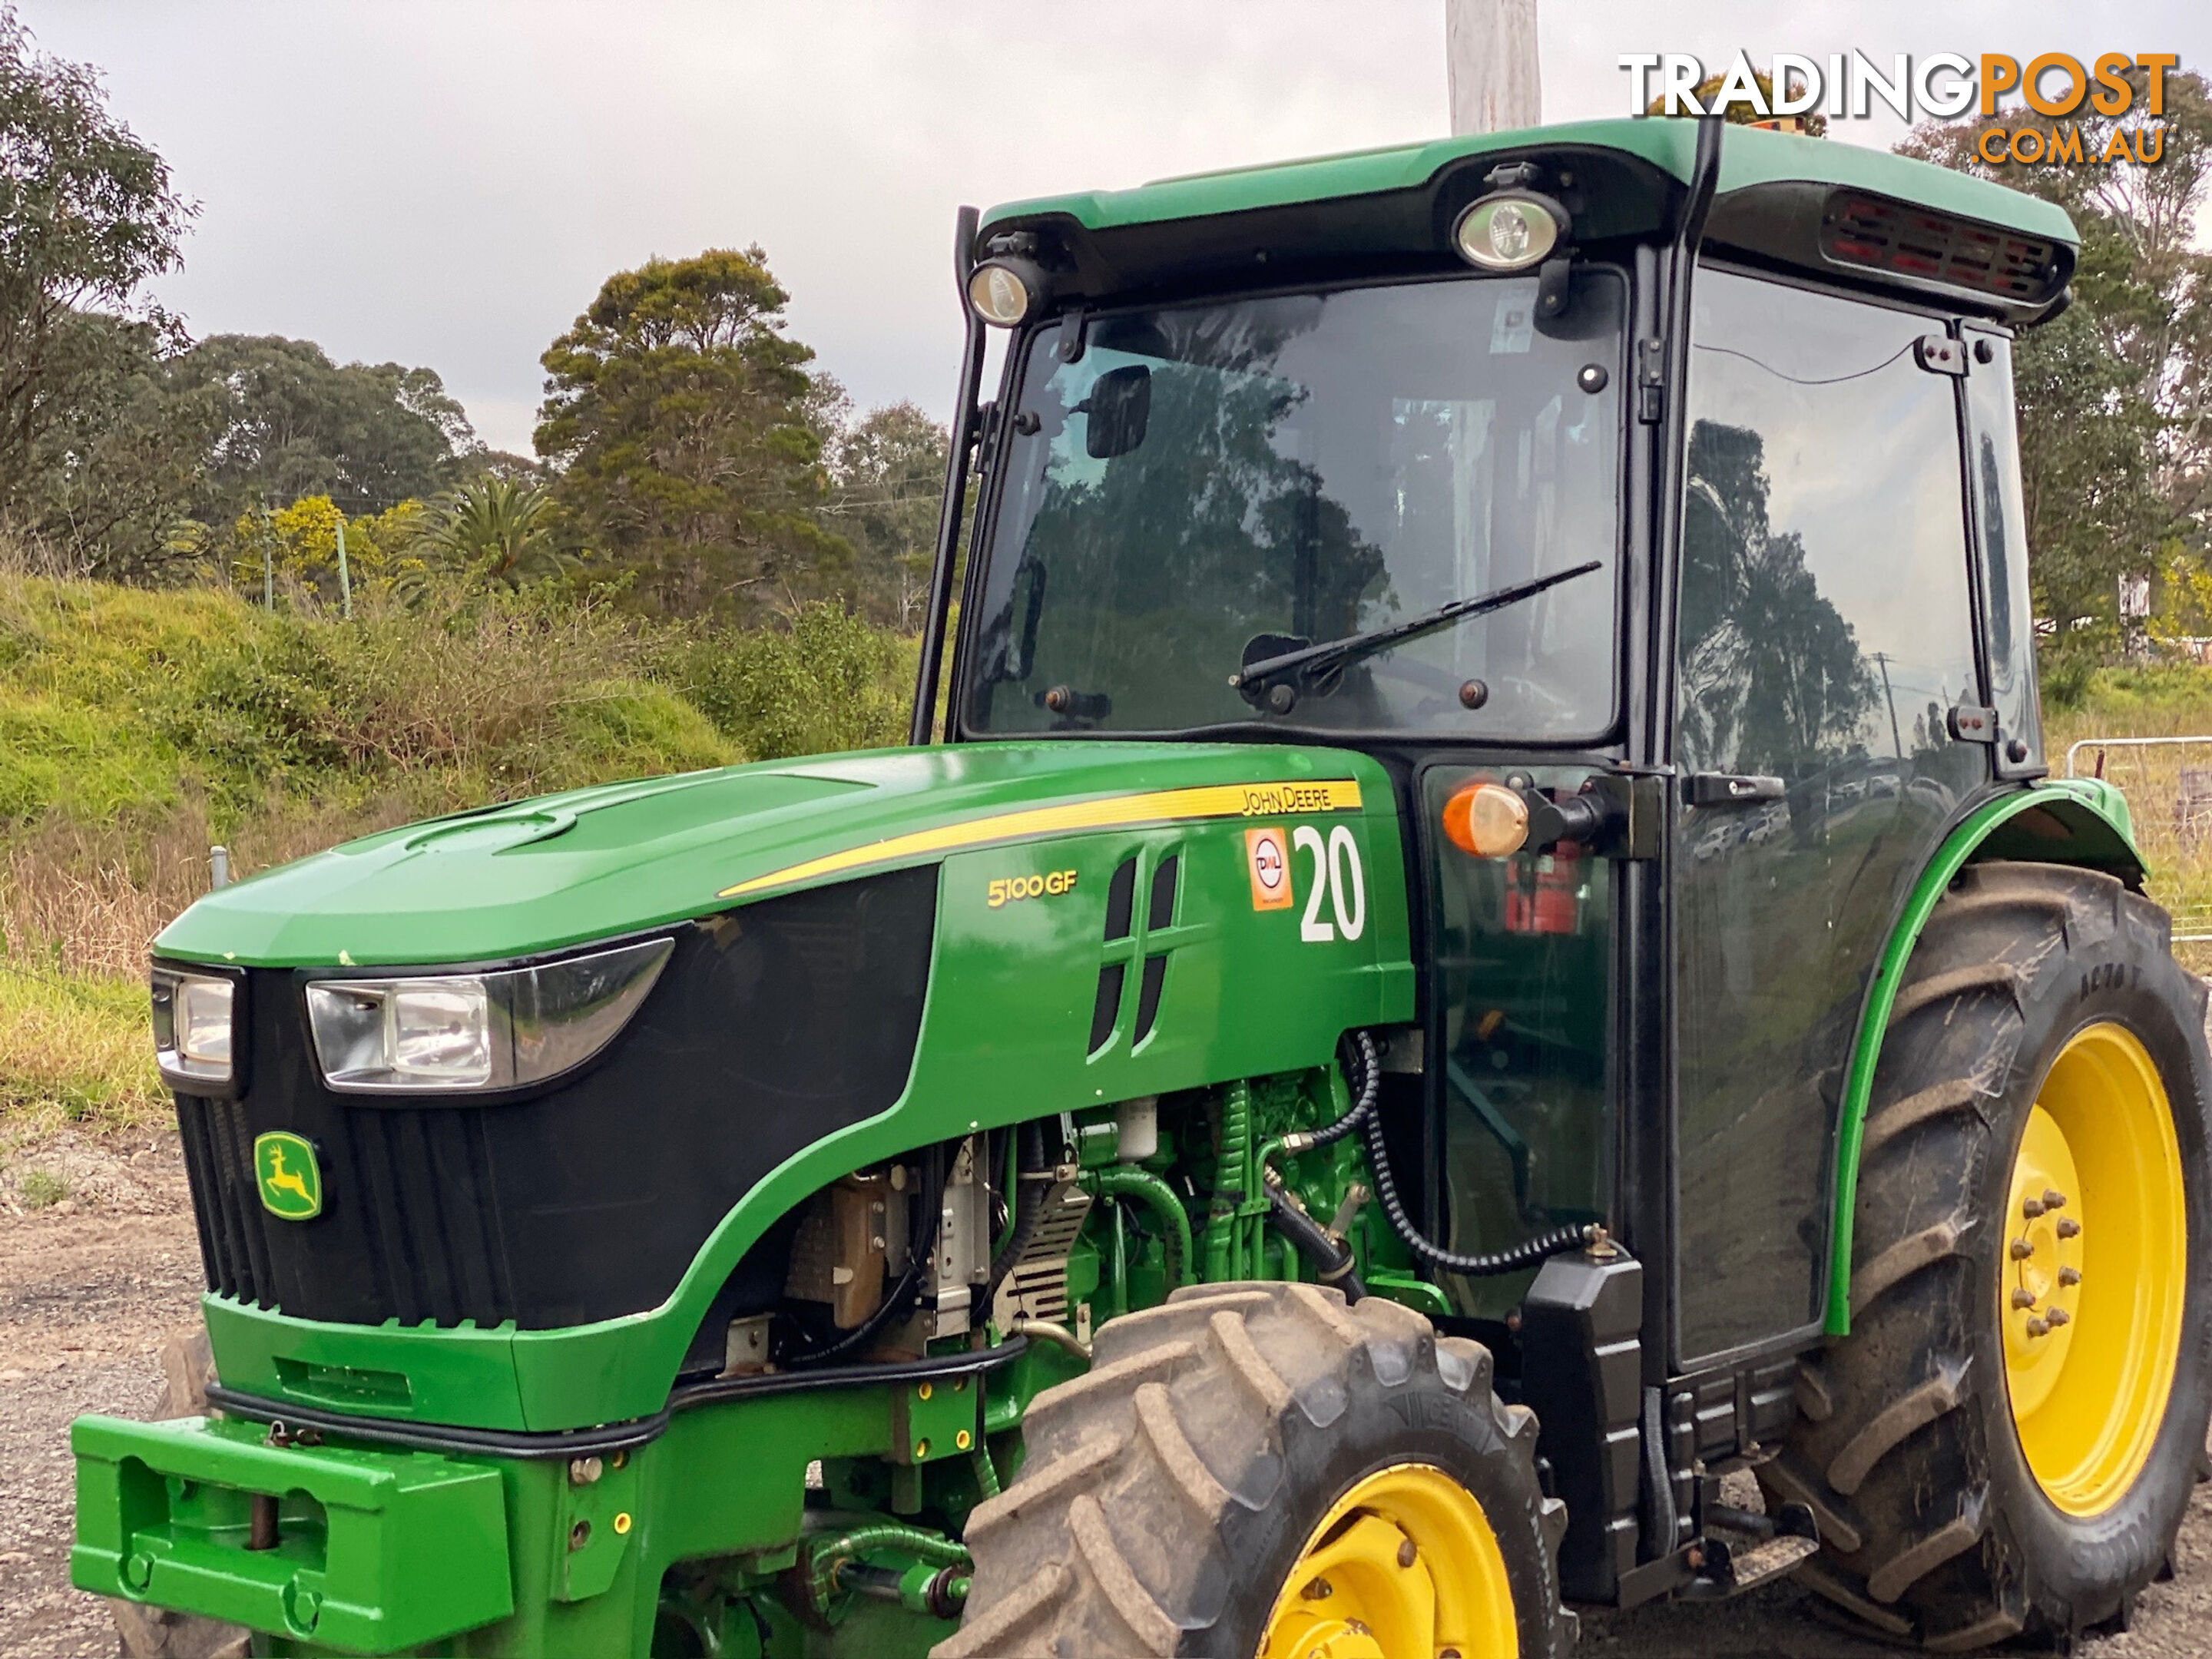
{"x":1310,"y":664}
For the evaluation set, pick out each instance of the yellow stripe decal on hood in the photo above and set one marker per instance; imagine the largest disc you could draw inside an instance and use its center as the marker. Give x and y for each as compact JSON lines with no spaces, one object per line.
{"x":1213,"y":800}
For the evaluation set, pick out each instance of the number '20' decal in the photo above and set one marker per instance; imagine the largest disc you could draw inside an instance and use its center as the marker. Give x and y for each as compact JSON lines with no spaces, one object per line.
{"x":1337,"y":878}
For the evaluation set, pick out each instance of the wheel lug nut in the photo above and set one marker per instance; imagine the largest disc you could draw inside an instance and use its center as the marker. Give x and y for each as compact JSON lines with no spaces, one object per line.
{"x":2021,"y":1249}
{"x":2031,"y":1207}
{"x":2023,"y":1299}
{"x":2038,"y":1327}
{"x":2053,"y":1198}
{"x":2058,"y":1316}
{"x":2069,"y":1227}
{"x":2069,"y":1277}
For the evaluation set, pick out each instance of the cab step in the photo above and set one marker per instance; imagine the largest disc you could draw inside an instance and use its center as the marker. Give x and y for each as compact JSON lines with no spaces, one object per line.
{"x":1786,"y":1542}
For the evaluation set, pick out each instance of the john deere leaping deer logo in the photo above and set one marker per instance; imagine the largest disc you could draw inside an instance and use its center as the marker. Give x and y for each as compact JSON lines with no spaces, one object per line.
{"x":291,"y":1181}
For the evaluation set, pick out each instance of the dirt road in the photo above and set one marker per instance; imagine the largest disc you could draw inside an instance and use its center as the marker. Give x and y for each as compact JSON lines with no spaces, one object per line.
{"x":87,"y":1295}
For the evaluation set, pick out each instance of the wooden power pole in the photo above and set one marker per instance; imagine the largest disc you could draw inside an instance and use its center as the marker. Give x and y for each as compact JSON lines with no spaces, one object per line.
{"x":1490,"y":59}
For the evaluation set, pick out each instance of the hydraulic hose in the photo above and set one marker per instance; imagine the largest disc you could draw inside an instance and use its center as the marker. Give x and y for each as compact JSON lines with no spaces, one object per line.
{"x":921,"y":1247}
{"x":1126,"y":1181}
{"x":1370,"y":1084}
{"x":1304,"y":1140}
{"x":1527,"y":1253}
{"x":1331,"y":1260}
{"x":825,"y":1561}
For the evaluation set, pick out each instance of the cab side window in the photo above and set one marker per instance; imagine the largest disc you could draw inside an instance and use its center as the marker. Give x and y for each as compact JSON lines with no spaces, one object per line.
{"x":2001,"y":527}
{"x":1824,"y":633}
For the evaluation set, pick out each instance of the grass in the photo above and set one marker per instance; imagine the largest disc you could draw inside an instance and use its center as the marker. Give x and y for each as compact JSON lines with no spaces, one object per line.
{"x":139,"y":727}
{"x":2169,"y":788}
{"x":40,"y":1187}
{"x":74,"y":1049}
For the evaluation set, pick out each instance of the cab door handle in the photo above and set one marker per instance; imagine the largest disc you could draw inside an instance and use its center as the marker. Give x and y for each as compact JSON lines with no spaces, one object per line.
{"x":1731,"y":788}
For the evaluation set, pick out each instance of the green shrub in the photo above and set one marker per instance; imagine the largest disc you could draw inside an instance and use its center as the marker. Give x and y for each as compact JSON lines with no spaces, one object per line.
{"x":617,"y":729}
{"x":828,"y":683}
{"x":2065,"y":680}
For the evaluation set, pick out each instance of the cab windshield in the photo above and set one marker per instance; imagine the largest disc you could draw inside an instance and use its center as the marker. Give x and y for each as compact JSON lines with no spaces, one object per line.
{"x":1210,"y":486}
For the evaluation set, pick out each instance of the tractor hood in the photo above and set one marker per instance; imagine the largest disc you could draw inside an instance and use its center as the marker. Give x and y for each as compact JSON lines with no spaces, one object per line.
{"x":561,"y":870}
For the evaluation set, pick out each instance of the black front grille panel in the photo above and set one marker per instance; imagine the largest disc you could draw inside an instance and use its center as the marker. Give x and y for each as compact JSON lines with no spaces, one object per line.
{"x":430,"y":1250}
{"x":219,"y":1162}
{"x":433,"y":1244}
{"x":770,"y":1028}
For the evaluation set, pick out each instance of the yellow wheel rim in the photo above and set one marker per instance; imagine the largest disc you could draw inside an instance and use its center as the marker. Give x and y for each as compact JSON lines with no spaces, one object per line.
{"x":1404,"y":1563}
{"x":2096,"y":1253}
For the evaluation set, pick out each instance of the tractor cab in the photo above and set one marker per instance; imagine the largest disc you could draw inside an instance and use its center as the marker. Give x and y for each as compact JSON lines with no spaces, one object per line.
{"x":1583,"y":465}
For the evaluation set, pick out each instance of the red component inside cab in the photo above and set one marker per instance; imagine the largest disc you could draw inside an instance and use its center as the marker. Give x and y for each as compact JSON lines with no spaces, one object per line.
{"x":1543,"y":894}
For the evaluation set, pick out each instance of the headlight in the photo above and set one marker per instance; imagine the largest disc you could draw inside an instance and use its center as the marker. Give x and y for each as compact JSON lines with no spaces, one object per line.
{"x":1510,"y":231}
{"x":1007,"y":290}
{"x":440,"y":1033}
{"x":192,"y":1028}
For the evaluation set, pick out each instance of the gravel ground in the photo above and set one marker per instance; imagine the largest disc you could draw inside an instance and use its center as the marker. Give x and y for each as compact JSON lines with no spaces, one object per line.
{"x":90,"y":1289}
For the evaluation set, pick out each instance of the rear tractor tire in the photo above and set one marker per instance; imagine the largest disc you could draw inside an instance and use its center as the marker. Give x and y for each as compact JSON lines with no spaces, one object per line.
{"x":1259,"y":1471}
{"x":2008,"y":1439}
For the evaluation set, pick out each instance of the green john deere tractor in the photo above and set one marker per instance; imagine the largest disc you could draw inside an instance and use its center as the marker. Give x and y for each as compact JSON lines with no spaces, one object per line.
{"x":1488,"y":941}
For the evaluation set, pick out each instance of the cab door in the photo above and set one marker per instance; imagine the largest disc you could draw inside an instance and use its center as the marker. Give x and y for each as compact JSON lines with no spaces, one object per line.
{"x":1824,"y":633}
{"x":1520,"y":1029}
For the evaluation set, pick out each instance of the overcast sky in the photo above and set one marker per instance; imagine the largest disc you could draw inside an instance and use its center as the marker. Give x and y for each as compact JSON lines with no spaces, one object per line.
{"x":448,"y":182}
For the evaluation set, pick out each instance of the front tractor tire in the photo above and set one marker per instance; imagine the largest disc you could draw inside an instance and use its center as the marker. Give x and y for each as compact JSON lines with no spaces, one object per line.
{"x":2008,"y":1439}
{"x":1259,"y":1471}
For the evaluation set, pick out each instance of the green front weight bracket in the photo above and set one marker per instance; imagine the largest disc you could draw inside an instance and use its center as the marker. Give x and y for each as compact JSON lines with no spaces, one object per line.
{"x":371,"y":1551}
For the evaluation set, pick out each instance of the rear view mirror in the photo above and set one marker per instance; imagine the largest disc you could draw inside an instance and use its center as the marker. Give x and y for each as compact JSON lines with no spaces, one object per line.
{"x":1120,"y":407}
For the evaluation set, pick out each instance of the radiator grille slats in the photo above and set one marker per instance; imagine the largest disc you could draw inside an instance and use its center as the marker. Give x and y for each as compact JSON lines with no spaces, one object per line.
{"x":219,"y":1162}
{"x":219,"y":1255}
{"x":433,"y":1248}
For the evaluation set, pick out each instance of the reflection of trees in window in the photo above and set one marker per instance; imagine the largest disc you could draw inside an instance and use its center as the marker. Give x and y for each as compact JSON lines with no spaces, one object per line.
{"x":1771,"y":672}
{"x":1208,"y":518}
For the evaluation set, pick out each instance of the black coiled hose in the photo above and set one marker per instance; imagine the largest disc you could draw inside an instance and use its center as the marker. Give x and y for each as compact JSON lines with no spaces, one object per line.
{"x":1370,"y":1086}
{"x":1027,"y":1203}
{"x":1364,"y":1116}
{"x":921,"y":1246}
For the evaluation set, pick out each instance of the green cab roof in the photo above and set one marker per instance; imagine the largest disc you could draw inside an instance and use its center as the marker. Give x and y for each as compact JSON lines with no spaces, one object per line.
{"x":1749,"y":157}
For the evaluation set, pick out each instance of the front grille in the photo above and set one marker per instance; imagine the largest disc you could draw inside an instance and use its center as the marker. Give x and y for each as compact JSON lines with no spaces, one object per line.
{"x":772,"y":1027}
{"x":429,"y":1248}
